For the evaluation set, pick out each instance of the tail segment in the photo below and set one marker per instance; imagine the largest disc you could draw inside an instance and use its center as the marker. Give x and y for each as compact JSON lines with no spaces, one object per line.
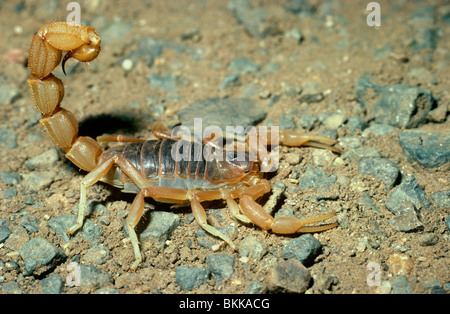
{"x":47,"y":91}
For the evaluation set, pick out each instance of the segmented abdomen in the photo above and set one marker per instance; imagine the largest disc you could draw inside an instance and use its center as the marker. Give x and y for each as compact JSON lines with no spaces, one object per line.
{"x":154,"y":160}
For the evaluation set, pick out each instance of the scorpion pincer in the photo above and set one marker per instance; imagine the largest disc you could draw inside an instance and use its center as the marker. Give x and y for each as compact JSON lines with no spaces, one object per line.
{"x":146,"y":167}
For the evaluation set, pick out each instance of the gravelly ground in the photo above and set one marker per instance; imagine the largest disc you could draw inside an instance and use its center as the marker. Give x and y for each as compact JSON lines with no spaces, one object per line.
{"x":311,"y":66}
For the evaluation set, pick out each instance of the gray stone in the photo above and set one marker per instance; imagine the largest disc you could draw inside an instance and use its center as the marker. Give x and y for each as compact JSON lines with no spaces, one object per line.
{"x":39,"y":255}
{"x":286,"y":122}
{"x":378,"y":129}
{"x":8,"y":91}
{"x":431,"y":150}
{"x":251,"y":90}
{"x":253,"y":248}
{"x":30,"y":222}
{"x":424,"y":15}
{"x":271,"y":67}
{"x":8,"y":138}
{"x":425,"y":38}
{"x":190,"y":278}
{"x":255,"y":287}
{"x":428,"y":239}
{"x":359,"y":153}
{"x":242,"y":65}
{"x":288,"y":277}
{"x":161,"y":225}
{"x":221,"y":265}
{"x":399,"y":105}
{"x":299,"y":7}
{"x":223,"y":112}
{"x":116,"y":32}
{"x":44,"y":161}
{"x":93,"y":277}
{"x":38,"y":180}
{"x":408,"y":192}
{"x":381,"y":168}
{"x":10,"y":193}
{"x":368,"y":201}
{"x":10,"y":177}
{"x":230,"y":80}
{"x":441,"y":198}
{"x":401,"y":285}
{"x":53,"y":284}
{"x":308,"y":121}
{"x":98,"y":254}
{"x":311,"y":98}
{"x":447,"y":222}
{"x":294,"y":34}
{"x":4,"y":233}
{"x":316,"y":178}
{"x":335,"y":120}
{"x":4,"y":222}
{"x":11,"y":287}
{"x":166,"y":82}
{"x":304,"y":249}
{"x":357,"y":123}
{"x":61,"y":224}
{"x":258,"y":22}
{"x":406,"y":220}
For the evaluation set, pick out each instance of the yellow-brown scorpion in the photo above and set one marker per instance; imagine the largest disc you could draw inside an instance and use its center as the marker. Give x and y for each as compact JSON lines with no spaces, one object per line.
{"x":147,"y":167}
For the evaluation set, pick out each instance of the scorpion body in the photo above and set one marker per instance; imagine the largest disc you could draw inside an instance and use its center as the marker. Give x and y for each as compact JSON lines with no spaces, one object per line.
{"x":148,"y":167}
{"x":154,"y":160}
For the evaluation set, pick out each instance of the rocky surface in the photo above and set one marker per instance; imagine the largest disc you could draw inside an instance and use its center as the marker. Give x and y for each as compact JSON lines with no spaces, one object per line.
{"x":309,"y":66}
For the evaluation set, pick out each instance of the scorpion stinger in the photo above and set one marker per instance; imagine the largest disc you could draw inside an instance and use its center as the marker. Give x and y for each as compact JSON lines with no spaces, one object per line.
{"x":148,"y":168}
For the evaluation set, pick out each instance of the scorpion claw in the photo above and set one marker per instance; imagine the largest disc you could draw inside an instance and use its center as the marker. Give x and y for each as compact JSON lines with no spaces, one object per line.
{"x":66,"y":57}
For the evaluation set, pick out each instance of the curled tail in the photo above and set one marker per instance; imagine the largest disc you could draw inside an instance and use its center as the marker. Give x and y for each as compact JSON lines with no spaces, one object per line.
{"x":82,"y":43}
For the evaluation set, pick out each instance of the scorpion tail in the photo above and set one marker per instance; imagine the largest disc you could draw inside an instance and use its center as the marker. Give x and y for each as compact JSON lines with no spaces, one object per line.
{"x":47,"y":90}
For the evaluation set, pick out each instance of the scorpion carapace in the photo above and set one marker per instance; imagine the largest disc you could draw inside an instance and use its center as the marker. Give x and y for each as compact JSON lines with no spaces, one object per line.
{"x":146,"y":167}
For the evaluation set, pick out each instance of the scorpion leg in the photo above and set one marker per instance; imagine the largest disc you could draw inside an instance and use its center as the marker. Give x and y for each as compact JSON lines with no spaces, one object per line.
{"x":200,"y":216}
{"x":156,"y":192}
{"x":137,"y":208}
{"x":290,"y":138}
{"x":98,"y":173}
{"x":282,"y":225}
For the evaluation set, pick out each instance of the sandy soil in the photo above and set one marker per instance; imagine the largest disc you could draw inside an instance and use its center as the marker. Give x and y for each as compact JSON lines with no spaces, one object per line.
{"x":335,"y":52}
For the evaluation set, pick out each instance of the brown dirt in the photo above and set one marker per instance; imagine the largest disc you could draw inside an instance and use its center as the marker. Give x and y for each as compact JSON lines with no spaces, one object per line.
{"x":104,"y":87}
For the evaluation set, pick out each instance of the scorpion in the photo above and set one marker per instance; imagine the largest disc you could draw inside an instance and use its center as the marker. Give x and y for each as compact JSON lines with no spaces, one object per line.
{"x":147,"y":167}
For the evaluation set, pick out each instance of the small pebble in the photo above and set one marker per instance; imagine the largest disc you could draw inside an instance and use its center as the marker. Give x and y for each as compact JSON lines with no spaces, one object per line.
{"x":11,"y":287}
{"x":93,"y":277}
{"x":253,"y":248}
{"x":4,"y":233}
{"x":304,"y":249}
{"x":53,"y":284}
{"x":127,"y":64}
{"x":44,"y":161}
{"x":401,"y":285}
{"x":220,"y":265}
{"x":39,"y":255}
{"x":10,"y":178}
{"x":38,"y":180}
{"x":428,"y":239}
{"x":406,"y":220}
{"x":190,"y":278}
{"x":400,"y":264}
{"x":288,"y":277}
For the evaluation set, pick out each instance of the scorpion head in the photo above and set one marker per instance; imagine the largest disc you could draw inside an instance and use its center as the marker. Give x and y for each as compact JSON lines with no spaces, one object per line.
{"x":233,"y":167}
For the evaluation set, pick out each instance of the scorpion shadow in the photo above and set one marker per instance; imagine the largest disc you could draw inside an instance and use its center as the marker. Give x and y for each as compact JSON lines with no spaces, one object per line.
{"x":107,"y":123}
